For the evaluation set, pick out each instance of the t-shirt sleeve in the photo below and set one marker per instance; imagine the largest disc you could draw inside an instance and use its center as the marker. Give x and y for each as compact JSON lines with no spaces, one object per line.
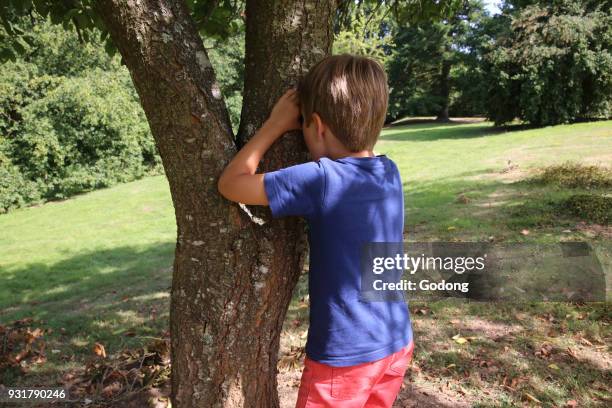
{"x":296,"y":190}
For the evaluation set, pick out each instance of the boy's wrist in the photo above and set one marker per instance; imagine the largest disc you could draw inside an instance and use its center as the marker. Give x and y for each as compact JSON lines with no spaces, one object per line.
{"x":273,"y":128}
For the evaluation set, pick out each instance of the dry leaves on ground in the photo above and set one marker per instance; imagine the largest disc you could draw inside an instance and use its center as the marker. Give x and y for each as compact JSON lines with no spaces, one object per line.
{"x":117,"y":377}
{"x":21,"y":345}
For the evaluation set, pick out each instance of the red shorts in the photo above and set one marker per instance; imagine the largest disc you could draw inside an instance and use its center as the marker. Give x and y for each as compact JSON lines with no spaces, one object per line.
{"x":367,"y":385}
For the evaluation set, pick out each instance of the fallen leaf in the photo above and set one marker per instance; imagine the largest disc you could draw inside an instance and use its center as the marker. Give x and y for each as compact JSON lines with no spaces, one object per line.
{"x":571,"y":353}
{"x":532,"y":398}
{"x":33,"y":335}
{"x":99,"y":350}
{"x":421,"y":310}
{"x":544,"y":351}
{"x":459,"y":340}
{"x":291,"y":360}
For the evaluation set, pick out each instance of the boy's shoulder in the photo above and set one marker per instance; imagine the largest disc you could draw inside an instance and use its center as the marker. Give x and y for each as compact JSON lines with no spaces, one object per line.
{"x":363,"y":175}
{"x":376,"y":164}
{"x":305,"y":188}
{"x":324,"y":160}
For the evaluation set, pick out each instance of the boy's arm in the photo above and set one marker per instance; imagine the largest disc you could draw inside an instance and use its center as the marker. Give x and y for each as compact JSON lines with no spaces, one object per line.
{"x":239,"y":181}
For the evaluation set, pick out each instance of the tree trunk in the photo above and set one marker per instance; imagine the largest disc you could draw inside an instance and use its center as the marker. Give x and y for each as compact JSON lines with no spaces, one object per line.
{"x":234,"y":269}
{"x":444,"y":91}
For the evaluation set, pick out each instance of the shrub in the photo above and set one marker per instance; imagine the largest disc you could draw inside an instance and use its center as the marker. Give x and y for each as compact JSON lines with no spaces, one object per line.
{"x":589,"y":207}
{"x":70,"y":118}
{"x":15,"y":190}
{"x":575,"y":175}
{"x":534,"y":212}
{"x":86,"y":133}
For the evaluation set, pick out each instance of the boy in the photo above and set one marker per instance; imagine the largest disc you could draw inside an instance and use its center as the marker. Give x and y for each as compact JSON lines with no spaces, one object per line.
{"x":356,"y":352}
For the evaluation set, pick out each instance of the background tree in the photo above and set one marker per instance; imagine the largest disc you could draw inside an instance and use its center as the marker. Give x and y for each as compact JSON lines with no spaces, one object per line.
{"x":429,"y":57}
{"x":552,"y":64}
{"x":367,"y":31}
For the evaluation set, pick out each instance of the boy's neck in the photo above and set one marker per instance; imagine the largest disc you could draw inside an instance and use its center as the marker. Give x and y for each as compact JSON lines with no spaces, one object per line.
{"x":337,"y":150}
{"x":347,"y":153}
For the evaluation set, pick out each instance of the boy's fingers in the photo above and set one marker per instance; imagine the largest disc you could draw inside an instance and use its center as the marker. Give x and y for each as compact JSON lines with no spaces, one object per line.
{"x":288,"y":94}
{"x":291,"y":95}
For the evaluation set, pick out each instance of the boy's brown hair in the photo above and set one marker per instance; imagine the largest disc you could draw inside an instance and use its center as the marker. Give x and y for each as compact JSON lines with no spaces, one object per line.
{"x":350,"y":94}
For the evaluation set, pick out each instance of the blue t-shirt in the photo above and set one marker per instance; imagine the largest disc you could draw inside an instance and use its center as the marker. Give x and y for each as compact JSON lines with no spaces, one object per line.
{"x":347,"y":202}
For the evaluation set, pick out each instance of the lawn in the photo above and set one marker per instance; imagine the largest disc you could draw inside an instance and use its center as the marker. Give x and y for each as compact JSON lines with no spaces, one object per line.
{"x":94,"y":268}
{"x":97,"y":269}
{"x":459,"y":180}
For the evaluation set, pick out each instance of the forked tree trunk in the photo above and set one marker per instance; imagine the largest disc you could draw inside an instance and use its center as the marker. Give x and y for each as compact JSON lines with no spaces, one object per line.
{"x":233,"y":273}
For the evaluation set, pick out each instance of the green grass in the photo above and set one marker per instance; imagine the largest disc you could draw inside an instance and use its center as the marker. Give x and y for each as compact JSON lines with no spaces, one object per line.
{"x":94,"y":268}
{"x":438,"y":163}
{"x":97,"y":267}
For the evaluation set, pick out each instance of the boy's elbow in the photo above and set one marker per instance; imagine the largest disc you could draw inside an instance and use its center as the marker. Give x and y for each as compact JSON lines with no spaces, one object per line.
{"x":222,"y":186}
{"x":227,"y":188}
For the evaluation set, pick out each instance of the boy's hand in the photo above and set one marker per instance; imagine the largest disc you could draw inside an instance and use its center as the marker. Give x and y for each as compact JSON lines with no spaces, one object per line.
{"x":285,"y":115}
{"x":239,"y":181}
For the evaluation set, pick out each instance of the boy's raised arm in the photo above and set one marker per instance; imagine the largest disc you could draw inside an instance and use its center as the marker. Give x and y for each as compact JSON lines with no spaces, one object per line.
{"x":239,"y":181}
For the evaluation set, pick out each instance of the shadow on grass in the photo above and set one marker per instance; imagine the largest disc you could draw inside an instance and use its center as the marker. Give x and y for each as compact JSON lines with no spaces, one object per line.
{"x":477,"y":204}
{"x":118,"y":297}
{"x":450,"y":207}
{"x":421,"y":120}
{"x":427,"y":132}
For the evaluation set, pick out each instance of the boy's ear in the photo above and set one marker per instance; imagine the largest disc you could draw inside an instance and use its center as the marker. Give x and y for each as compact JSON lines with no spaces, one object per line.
{"x":320,"y":126}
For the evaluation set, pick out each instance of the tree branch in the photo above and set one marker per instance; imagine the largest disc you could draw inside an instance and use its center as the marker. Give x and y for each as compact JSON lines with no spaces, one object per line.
{"x":175,"y":80}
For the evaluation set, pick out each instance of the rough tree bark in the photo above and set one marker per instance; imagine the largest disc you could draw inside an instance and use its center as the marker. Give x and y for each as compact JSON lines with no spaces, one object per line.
{"x":233,"y":272}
